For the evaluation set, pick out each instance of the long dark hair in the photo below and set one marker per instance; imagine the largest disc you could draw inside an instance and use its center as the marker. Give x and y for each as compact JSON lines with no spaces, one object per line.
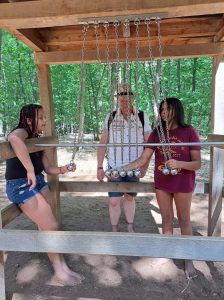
{"x":29,"y":111}
{"x":176,"y":106}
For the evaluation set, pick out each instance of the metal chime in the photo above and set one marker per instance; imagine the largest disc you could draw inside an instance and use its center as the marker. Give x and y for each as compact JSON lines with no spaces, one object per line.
{"x":122,"y":173}
{"x":156,"y":80}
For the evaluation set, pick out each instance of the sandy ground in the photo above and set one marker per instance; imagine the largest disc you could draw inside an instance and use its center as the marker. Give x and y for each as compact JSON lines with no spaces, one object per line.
{"x":111,"y":277}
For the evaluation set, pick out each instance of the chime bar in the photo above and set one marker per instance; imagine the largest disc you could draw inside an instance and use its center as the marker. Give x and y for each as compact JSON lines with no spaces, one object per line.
{"x":65,"y":145}
{"x":123,"y":18}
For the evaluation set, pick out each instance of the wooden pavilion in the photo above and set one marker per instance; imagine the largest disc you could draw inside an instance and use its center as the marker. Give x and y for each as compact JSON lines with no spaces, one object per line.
{"x":53,"y":30}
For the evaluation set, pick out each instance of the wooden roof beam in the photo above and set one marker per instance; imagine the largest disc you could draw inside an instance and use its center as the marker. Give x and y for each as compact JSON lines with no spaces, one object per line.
{"x":220,"y":34}
{"x":48,"y":13}
{"x":29,"y":37}
{"x":169,"y":51}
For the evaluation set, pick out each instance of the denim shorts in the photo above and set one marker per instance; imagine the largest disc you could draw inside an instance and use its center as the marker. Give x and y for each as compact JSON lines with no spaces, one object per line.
{"x":18,"y":192}
{"x":122,"y":179}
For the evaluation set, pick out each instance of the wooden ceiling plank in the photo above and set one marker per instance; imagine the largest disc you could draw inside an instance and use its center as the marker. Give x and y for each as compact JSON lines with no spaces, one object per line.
{"x":74,"y":33}
{"x":90,"y":45}
{"x":34,"y":14}
{"x":29,"y":37}
{"x":170,"y":51}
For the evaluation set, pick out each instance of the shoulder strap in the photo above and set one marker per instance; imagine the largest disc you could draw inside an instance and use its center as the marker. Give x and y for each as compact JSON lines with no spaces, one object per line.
{"x":141,"y":118}
{"x":111,"y":117}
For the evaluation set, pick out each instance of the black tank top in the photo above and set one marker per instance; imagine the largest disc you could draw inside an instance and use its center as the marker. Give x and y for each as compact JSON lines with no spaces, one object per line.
{"x":16,"y":170}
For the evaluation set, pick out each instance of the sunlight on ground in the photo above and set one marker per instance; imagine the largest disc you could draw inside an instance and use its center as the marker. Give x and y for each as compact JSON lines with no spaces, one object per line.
{"x":29,"y":272}
{"x":103,"y":269}
{"x":160,"y":269}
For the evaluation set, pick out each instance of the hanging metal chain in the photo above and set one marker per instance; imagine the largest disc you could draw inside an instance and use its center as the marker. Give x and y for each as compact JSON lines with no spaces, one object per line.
{"x":126,"y":26}
{"x":156,"y":84}
{"x":82,"y":93}
{"x":168,"y":150}
{"x":115,"y":128}
{"x":137,"y":23}
{"x":109,"y":74}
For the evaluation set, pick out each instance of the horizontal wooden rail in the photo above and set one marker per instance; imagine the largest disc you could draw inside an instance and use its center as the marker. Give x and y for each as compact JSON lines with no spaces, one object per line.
{"x":140,"y":187}
{"x":110,"y":243}
{"x":9,"y":213}
{"x":212,"y":137}
{"x":6,"y":151}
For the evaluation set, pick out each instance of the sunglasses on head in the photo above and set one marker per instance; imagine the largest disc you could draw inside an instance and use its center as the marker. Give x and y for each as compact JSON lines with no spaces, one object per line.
{"x":125,"y":93}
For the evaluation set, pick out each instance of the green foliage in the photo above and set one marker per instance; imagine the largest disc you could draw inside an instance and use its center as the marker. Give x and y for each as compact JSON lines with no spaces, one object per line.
{"x":187,"y":79}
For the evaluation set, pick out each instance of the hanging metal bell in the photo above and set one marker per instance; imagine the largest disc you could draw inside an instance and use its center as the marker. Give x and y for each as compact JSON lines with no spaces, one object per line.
{"x":130,"y":173}
{"x":166,"y":171}
{"x":173,"y":171}
{"x":71,"y":166}
{"x":107,"y":173}
{"x":122,"y":173}
{"x":115,"y":173}
{"x":137,"y":173}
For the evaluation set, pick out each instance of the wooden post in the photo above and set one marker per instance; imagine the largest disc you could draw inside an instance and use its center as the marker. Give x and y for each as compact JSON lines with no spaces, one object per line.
{"x":2,"y":269}
{"x":217,"y":155}
{"x":47,"y":103}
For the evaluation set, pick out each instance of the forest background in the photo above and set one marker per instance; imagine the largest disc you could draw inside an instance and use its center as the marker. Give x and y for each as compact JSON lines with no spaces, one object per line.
{"x":188,"y":79}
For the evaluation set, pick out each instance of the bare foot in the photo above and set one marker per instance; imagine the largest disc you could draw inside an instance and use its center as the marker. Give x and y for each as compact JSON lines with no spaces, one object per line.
{"x":70,"y":272}
{"x":114,"y":228}
{"x":130,"y":227}
{"x":64,"y":280}
{"x":189,"y":269}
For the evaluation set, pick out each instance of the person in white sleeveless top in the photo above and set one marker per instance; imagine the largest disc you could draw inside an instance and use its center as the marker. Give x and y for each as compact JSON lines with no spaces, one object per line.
{"x":126,"y":125}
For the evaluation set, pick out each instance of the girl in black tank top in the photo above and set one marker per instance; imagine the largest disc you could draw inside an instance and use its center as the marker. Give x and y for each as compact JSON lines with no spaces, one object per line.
{"x":26,"y":187}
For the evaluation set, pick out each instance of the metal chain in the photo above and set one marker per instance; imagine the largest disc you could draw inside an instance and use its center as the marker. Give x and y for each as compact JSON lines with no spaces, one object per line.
{"x":82,"y":82}
{"x":168,"y":150}
{"x":155,"y":82}
{"x":137,"y":23}
{"x":126,"y":25}
{"x":116,"y":26}
{"x":109,"y":74}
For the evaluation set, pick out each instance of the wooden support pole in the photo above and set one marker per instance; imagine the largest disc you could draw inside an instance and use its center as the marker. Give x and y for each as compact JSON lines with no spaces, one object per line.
{"x":2,"y":270}
{"x":47,"y":103}
{"x":217,"y":155}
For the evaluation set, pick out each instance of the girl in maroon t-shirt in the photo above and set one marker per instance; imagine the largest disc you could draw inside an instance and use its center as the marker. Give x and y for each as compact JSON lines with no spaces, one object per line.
{"x":185,"y":159}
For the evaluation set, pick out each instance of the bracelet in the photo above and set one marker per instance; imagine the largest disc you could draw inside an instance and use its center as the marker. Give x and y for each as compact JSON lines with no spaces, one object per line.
{"x":99,"y":168}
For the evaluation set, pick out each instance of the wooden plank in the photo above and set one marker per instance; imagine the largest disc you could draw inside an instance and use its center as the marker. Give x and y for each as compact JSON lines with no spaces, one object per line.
{"x":9,"y":213}
{"x":2,"y":269}
{"x":46,"y":100}
{"x":176,"y":51}
{"x":217,"y":155}
{"x":93,"y":186}
{"x":140,"y":187}
{"x":216,"y":192}
{"x":171,"y":33}
{"x":110,"y":243}
{"x":6,"y":151}
{"x":29,"y":37}
{"x":33,"y":14}
{"x":216,"y":138}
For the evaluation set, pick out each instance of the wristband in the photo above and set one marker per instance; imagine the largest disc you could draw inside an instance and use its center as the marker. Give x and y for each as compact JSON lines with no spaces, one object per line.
{"x":99,"y":168}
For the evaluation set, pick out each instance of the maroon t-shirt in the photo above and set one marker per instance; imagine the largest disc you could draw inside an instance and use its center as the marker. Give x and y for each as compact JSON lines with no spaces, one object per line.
{"x":184,"y":181}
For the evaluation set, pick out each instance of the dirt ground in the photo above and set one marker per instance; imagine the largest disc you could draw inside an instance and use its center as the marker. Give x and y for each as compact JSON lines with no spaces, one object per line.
{"x":111,"y":277}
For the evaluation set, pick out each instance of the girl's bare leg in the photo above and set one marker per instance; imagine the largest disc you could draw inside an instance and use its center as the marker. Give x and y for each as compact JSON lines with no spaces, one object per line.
{"x":48,"y":196}
{"x":165,"y":202}
{"x":39,"y":211}
{"x":183,"y":205}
